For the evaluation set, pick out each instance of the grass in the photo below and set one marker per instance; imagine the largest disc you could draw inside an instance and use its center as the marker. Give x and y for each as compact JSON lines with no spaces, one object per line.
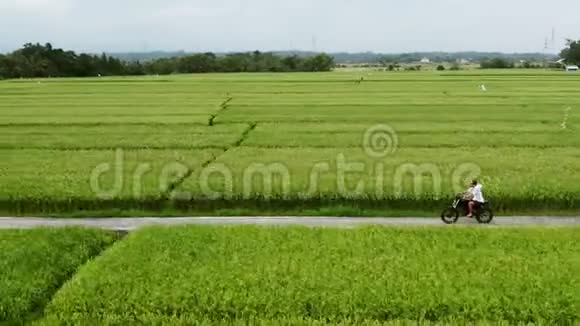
{"x":238,"y":210}
{"x":446,"y":140}
{"x":35,"y":263}
{"x":408,"y":127}
{"x":186,"y":275}
{"x":54,"y":132}
{"x":27,"y":121}
{"x":506,"y":178}
{"x":35,"y":175}
{"x":120,"y":136}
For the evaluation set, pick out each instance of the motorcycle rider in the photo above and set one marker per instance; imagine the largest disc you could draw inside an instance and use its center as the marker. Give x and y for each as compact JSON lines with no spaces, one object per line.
{"x":477,"y":198}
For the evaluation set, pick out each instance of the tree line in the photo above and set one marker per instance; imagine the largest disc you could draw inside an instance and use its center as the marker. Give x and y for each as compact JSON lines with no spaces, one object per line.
{"x":359,"y":58}
{"x":36,"y":60}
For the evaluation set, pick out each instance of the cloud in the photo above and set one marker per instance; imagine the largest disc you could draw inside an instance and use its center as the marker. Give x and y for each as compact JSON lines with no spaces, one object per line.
{"x":337,"y":25}
{"x":189,"y":12}
{"x":22,"y":7}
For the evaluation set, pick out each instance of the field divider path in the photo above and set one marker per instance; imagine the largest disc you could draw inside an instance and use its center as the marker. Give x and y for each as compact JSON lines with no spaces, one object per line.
{"x":179,"y":181}
{"x":129,"y":224}
{"x":222,"y":107}
{"x":173,"y":186}
{"x":251,"y":127}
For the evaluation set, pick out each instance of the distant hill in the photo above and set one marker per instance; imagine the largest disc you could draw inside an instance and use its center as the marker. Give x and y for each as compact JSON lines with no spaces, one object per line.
{"x":370,"y":57}
{"x":361,"y":57}
{"x":146,"y":56}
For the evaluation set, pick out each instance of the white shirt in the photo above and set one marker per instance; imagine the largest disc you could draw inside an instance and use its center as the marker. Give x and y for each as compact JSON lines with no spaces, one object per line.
{"x":477,"y":194}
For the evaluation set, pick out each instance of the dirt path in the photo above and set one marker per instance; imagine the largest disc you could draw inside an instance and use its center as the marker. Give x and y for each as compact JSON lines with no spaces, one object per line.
{"x":127,"y":224}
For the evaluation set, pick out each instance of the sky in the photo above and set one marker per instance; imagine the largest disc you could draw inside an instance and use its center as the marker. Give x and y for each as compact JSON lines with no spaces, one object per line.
{"x":385,"y":26}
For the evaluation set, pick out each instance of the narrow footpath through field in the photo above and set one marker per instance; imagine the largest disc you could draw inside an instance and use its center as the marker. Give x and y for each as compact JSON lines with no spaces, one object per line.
{"x":128,"y":224}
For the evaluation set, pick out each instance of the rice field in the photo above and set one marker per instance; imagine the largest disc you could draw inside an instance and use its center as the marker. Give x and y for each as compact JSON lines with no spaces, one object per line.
{"x":201,"y":142}
{"x":35,"y":263}
{"x":302,"y":276}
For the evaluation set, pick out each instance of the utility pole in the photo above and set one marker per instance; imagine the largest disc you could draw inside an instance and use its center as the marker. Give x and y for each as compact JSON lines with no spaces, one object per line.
{"x":545,"y":53}
{"x":314,"y":41}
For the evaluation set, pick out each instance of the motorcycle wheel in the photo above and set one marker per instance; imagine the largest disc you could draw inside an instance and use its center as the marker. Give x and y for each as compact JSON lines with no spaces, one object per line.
{"x":450,"y":215}
{"x":485,"y":216}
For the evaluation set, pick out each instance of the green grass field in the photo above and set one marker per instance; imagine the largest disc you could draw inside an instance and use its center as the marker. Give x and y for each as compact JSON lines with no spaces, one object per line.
{"x":264,"y":143}
{"x":254,"y":275}
{"x":35,"y":263}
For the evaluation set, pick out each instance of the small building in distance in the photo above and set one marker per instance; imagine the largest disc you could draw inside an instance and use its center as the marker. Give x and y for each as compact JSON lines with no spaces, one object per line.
{"x":572,"y":68}
{"x":425,"y":60}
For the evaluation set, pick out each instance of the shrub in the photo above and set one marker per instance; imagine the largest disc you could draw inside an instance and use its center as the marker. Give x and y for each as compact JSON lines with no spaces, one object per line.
{"x":496,"y":63}
{"x":455,"y":67}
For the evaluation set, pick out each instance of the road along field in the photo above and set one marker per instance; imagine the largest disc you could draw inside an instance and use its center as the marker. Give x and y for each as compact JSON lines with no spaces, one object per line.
{"x":290,"y":143}
{"x":203,"y":275}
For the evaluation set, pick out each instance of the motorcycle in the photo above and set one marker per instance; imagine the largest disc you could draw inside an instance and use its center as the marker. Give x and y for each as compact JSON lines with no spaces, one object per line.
{"x":482,"y":211}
